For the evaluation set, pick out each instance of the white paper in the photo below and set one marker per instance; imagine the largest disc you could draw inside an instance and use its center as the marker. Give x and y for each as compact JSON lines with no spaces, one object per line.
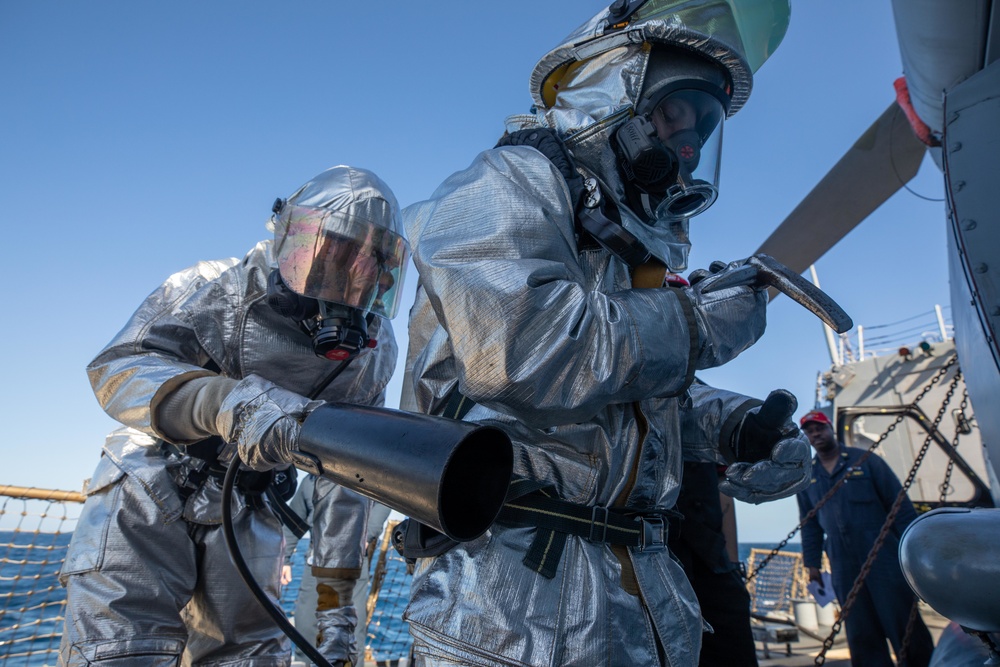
{"x":822,"y":592}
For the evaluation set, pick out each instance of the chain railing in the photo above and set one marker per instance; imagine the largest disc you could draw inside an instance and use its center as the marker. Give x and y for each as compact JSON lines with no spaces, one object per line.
{"x":864,"y":457}
{"x":945,"y":487}
{"x":890,"y":519}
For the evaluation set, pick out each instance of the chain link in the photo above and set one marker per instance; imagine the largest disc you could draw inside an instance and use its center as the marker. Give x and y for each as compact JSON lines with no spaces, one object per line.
{"x":946,"y":484}
{"x":910,"y":624}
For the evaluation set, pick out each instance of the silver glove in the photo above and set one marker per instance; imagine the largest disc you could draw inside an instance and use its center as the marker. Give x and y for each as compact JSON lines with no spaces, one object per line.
{"x":784,"y":473}
{"x":729,"y":320}
{"x":263,"y":421}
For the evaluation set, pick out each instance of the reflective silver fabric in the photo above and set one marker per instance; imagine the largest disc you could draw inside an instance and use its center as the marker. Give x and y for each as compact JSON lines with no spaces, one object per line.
{"x":340,"y":526}
{"x":335,"y":633}
{"x":590,"y":40}
{"x":586,"y":374}
{"x":133,"y":562}
{"x":213,"y":315}
{"x":558,"y":350}
{"x":738,"y":34}
{"x":206,"y":314}
{"x":589,"y":139}
{"x":586,"y":87}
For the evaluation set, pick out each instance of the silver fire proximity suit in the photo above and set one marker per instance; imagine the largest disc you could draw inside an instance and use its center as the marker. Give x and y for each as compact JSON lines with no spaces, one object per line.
{"x":590,"y":376}
{"x":148,"y":575}
{"x":338,"y":555}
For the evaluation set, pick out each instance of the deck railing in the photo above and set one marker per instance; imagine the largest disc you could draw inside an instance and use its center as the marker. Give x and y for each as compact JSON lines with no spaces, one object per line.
{"x":35,"y":529}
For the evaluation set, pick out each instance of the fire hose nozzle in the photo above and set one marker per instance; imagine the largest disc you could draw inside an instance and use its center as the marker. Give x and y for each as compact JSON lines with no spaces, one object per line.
{"x":450,"y":475}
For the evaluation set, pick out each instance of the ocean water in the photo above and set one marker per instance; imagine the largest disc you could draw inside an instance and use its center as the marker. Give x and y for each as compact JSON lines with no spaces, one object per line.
{"x":31,"y":598}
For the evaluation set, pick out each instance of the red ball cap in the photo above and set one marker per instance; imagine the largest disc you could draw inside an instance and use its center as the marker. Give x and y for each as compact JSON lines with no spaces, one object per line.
{"x":815,"y":416}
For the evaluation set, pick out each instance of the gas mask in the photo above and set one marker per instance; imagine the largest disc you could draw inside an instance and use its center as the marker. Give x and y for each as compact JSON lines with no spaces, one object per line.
{"x":668,"y":152}
{"x":339,"y":265}
{"x":338,"y":332}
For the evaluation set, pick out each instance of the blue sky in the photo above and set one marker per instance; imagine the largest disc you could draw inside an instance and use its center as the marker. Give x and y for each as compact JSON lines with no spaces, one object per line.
{"x":138,"y":138}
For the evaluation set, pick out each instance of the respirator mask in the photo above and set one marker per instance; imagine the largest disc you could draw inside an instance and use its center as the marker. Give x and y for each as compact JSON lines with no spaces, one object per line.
{"x":335,"y":273}
{"x":668,"y":152}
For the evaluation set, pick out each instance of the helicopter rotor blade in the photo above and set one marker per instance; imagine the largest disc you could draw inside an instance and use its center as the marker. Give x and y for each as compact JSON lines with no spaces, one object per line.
{"x":879,"y":163}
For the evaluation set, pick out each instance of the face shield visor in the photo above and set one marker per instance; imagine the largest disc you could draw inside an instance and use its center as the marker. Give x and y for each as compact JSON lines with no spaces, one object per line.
{"x":669,"y":151}
{"x":689,"y":125}
{"x":335,"y":257}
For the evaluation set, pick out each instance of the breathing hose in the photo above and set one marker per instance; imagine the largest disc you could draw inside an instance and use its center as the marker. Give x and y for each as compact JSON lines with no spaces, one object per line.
{"x":277,"y":614}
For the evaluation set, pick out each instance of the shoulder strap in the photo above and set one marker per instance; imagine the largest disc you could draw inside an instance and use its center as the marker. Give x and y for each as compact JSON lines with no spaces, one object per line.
{"x":458,"y":405}
{"x":548,"y":143}
{"x":288,"y":517}
{"x":596,"y":218}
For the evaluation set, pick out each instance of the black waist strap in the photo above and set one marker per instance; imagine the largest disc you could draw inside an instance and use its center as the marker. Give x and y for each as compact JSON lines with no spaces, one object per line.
{"x":529,"y":505}
{"x":555,"y":518}
{"x":277,"y":485}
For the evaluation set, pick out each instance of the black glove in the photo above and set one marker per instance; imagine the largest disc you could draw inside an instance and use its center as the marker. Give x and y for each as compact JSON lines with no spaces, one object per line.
{"x":773,"y":454}
{"x":765,"y":426}
{"x":548,"y":143}
{"x":698,"y":275}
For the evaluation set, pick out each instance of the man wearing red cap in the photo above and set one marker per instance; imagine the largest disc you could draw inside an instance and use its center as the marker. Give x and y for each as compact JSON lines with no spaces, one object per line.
{"x":851,"y":521}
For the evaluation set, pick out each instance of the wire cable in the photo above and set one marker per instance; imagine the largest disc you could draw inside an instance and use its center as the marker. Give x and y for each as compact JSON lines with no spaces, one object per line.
{"x":905,"y":334}
{"x":272,"y":609}
{"x":892,"y":324}
{"x":228,"y":484}
{"x":895,"y":169}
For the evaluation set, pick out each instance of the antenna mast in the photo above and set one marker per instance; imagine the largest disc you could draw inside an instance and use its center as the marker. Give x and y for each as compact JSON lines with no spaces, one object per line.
{"x":831,"y":344}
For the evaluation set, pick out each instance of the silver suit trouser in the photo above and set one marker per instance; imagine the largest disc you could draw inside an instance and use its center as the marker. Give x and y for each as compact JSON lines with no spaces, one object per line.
{"x":305,"y":611}
{"x":340,"y":533}
{"x":147,"y":590}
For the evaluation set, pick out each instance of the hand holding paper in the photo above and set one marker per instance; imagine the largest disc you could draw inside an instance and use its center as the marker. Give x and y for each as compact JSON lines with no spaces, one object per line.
{"x":822,"y":591}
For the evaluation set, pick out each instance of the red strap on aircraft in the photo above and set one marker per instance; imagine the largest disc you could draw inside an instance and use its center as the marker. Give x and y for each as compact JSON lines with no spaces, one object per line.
{"x":920,"y":128}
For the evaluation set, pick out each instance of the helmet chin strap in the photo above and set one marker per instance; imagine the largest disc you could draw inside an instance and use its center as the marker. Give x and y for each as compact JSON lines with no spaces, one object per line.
{"x":647,"y":205}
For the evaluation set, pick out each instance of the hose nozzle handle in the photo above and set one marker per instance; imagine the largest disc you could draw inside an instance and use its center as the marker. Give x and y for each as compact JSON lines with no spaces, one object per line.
{"x":762,"y":271}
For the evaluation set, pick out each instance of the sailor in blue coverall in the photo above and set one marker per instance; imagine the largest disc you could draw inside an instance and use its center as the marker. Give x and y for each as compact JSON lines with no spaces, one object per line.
{"x":851,"y":521}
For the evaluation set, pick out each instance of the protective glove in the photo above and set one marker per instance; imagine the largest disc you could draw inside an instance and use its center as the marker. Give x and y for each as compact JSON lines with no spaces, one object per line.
{"x":764,"y":426}
{"x":773,"y":456}
{"x":548,"y":143}
{"x":728,"y":320}
{"x":263,"y":421}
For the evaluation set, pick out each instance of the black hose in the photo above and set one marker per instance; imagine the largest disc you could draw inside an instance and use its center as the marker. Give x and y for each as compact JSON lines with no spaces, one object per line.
{"x":272,"y":610}
{"x":325,"y":382}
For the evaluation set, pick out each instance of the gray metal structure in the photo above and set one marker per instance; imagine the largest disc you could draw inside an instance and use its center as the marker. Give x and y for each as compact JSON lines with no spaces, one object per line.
{"x":972,"y":172}
{"x":869,"y":395}
{"x":950,"y":51}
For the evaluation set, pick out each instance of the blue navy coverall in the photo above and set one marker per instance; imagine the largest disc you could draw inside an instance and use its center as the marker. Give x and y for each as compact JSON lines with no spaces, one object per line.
{"x":851,"y":521}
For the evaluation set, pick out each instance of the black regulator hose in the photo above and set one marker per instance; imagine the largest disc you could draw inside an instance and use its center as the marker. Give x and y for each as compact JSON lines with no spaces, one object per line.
{"x":277,"y":614}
